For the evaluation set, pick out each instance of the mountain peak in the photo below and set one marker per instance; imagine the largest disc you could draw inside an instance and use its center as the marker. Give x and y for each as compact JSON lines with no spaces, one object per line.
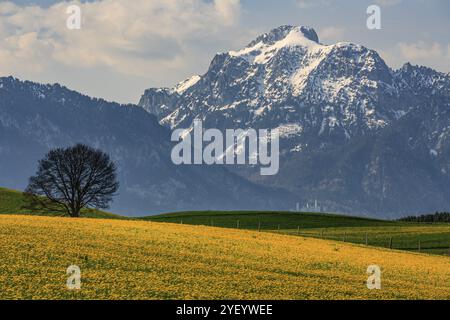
{"x":266,"y":46}
{"x":282,"y":32}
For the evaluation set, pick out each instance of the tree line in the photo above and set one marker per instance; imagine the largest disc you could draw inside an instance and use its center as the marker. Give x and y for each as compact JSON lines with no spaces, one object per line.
{"x":428,"y":218}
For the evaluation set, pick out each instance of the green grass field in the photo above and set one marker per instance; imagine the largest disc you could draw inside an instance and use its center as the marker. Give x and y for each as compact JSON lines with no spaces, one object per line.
{"x":267,"y":221}
{"x":13,"y":202}
{"x":432,"y":238}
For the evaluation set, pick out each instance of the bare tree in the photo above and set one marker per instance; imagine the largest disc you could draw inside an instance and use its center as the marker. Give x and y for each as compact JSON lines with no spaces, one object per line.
{"x":74,"y":178}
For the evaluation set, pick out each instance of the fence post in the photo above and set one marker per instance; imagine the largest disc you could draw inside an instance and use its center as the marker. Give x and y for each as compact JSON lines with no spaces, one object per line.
{"x":278,"y":228}
{"x":237,"y":224}
{"x":367,"y":238}
{"x":181,"y":221}
{"x":345,"y":236}
{"x":321,"y":233}
{"x":390,"y":243}
{"x":259,"y":226}
{"x":298,"y":230}
{"x":420,"y":246}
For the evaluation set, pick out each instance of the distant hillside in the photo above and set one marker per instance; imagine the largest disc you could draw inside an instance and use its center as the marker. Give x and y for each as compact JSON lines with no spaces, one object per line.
{"x":13,"y":202}
{"x":252,"y":220}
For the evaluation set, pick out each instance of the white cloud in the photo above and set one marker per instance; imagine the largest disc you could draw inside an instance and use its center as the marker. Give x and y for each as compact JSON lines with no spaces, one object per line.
{"x":312,"y":3}
{"x":333,"y":34}
{"x":228,"y":10}
{"x":431,"y":54}
{"x":422,"y":50}
{"x":138,"y":37}
{"x":388,"y":3}
{"x":316,"y":3}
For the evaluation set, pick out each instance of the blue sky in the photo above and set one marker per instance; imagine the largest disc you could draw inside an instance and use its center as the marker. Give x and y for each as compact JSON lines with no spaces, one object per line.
{"x":127,"y":46}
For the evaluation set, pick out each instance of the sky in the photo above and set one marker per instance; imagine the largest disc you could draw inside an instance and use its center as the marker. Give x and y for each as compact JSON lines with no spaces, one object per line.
{"x":127,"y":46}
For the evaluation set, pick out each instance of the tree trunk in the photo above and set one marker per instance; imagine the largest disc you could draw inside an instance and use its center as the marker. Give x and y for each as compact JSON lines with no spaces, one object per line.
{"x":74,"y":211}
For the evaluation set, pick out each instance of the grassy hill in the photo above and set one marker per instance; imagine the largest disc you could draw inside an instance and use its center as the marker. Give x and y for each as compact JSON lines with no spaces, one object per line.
{"x":13,"y":202}
{"x":430,"y":238}
{"x":145,"y":260}
{"x":254,"y":220}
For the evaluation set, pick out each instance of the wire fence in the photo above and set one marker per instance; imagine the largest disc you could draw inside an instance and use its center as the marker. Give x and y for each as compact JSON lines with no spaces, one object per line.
{"x":385,"y":240}
{"x":397,"y":241}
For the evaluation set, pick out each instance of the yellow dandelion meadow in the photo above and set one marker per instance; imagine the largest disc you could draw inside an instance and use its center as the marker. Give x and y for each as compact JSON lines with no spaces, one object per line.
{"x":145,"y":260}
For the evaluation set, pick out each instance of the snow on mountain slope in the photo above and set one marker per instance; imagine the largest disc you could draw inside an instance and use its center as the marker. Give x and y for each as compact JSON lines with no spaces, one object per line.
{"x":279,"y":77}
{"x":267,"y":47}
{"x":185,"y":85}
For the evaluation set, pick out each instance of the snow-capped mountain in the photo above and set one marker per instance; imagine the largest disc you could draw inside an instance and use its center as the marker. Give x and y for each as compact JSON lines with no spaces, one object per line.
{"x":35,"y":118}
{"x":326,"y":100}
{"x":285,"y":76}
